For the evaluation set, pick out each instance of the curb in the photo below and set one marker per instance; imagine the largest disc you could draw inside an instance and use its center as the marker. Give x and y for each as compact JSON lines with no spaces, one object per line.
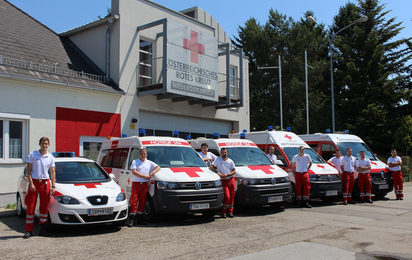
{"x":7,"y":213}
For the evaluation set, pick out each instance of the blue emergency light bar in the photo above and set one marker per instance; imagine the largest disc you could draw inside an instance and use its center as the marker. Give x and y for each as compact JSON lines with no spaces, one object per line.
{"x":175,"y":133}
{"x":328,"y":131}
{"x":242,"y":136}
{"x":64,"y":154}
{"x":289,"y":129}
{"x":215,"y":135}
{"x":270,"y":128}
{"x":244,"y":131}
{"x":142,"y":132}
{"x":189,"y":137}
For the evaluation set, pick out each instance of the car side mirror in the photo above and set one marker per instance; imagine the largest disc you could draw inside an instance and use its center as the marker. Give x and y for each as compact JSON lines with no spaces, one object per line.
{"x":279,"y":162}
{"x":112,"y":175}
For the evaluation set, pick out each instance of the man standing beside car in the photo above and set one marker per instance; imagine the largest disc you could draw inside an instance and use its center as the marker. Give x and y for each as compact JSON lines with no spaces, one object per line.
{"x":336,"y":161}
{"x":143,"y":170}
{"x":395,"y":163}
{"x":207,"y":156}
{"x":225,"y":168}
{"x":38,"y":165}
{"x":301,"y":163}
{"x":363,"y":166}
{"x":272,"y":155}
{"x":348,"y":176}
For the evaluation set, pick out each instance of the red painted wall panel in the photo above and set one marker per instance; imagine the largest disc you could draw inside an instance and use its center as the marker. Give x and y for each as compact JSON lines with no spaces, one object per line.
{"x":72,"y":123}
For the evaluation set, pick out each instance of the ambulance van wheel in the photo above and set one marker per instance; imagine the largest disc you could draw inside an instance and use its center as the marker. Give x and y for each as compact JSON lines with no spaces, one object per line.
{"x":149,"y":210}
{"x":21,"y":213}
{"x":292,"y":195}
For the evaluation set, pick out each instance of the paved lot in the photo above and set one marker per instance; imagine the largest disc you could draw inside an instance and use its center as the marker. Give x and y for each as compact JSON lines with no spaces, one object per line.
{"x":327,"y":231}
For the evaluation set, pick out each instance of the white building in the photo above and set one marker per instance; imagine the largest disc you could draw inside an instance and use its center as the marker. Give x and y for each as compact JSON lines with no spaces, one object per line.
{"x":145,"y":66}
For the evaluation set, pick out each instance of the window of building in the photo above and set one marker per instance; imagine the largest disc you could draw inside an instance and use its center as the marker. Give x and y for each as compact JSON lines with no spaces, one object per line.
{"x":234,"y":86}
{"x":90,"y":146}
{"x":145,"y":63}
{"x":13,"y":138}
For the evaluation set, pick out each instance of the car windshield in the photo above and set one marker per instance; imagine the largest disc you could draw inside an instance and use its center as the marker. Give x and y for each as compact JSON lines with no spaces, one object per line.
{"x":79,"y":172}
{"x":292,"y":151}
{"x":356,"y":148}
{"x":173,"y":156}
{"x":246,"y":156}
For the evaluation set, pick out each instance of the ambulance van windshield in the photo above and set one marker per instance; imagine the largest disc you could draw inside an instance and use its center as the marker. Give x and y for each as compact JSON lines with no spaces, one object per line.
{"x":356,"y":148}
{"x":292,"y":151}
{"x":247,"y":156}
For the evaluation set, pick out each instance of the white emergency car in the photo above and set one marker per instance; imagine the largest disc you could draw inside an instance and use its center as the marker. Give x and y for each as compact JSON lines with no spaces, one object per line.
{"x":84,"y":194}
{"x":184,"y":183}
{"x":327,"y":144}
{"x":258,"y":180}
{"x":324,"y":179}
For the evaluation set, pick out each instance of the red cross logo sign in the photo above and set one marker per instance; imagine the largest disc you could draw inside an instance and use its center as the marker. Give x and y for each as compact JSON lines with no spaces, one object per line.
{"x":265,"y":168}
{"x":320,"y":166}
{"x":88,"y":185}
{"x":374,"y":163}
{"x":194,"y":46}
{"x":288,"y":137}
{"x":128,"y":181}
{"x":191,"y":171}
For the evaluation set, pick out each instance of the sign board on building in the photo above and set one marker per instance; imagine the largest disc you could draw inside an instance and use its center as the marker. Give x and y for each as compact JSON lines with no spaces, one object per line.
{"x":192,"y":62}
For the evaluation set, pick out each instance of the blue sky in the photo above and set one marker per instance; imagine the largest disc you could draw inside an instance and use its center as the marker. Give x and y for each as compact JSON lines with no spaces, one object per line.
{"x":61,"y":15}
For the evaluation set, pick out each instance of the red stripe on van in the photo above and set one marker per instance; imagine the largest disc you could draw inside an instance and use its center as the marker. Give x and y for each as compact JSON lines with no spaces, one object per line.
{"x":165,"y":142}
{"x":237,"y":144}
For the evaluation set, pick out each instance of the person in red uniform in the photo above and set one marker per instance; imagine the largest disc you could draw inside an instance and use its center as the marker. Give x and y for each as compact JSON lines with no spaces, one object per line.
{"x":38,"y":165}
{"x":225,"y":168}
{"x":301,"y":163}
{"x":348,"y":175}
{"x":395,"y":164}
{"x":143,"y":170}
{"x":363,"y":166}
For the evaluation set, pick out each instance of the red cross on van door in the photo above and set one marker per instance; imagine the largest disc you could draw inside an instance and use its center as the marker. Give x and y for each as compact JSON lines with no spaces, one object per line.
{"x":194,"y":46}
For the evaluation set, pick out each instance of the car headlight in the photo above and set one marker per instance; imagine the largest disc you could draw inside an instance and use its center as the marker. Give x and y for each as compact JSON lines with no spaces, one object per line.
{"x":313,"y":177}
{"x":287,"y":178}
{"x":218,"y":183}
{"x":164,"y":185}
{"x":66,"y":200}
{"x":246,"y":181}
{"x":121,"y":197}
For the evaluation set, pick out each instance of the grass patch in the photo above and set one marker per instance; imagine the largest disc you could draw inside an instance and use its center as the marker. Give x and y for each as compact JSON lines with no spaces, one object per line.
{"x":11,"y":206}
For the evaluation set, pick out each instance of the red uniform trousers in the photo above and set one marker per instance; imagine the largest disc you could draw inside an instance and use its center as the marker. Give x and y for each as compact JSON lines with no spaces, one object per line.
{"x":348,"y":180}
{"x":228,"y":195}
{"x":139,"y":193}
{"x":42,"y":189}
{"x":397,"y":183}
{"x":364,"y":182}
{"x":302,"y":182}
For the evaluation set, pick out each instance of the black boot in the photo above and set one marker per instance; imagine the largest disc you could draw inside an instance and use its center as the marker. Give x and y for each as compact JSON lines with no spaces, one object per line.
{"x":43,"y":231}
{"x":130,"y":220}
{"x":298,"y":205}
{"x":28,"y":234}
{"x":141,"y":219}
{"x":306,"y":204}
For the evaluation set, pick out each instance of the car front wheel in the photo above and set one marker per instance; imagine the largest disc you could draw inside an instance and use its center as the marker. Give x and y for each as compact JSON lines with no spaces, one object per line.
{"x":21,"y":213}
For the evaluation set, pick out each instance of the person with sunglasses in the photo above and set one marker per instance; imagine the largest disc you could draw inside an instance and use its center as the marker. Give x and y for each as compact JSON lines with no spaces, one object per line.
{"x":301,"y":163}
{"x":395,"y":163}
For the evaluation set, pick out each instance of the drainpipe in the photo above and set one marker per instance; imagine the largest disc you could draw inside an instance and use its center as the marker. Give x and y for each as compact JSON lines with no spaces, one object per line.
{"x":111,"y":20}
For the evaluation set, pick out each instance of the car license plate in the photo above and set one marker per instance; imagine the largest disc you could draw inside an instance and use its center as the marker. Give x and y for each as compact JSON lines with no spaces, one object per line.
{"x":331,"y":193}
{"x":275,"y":199}
{"x":103,"y":211}
{"x":384,"y":186}
{"x":199,"y":206}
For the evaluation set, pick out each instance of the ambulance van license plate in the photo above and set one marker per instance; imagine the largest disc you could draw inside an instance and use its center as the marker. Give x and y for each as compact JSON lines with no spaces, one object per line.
{"x":384,"y":186}
{"x":103,"y":211}
{"x":331,"y":193}
{"x":275,"y":199}
{"x":199,"y":206}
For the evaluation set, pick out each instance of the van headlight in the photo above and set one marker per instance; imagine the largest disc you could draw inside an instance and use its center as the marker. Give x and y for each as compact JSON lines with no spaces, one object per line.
{"x":121,"y":197}
{"x":165,"y":185}
{"x":66,"y":200}
{"x":313,"y":177}
{"x":247,"y":181}
{"x":218,"y":183}
{"x":287,"y":179}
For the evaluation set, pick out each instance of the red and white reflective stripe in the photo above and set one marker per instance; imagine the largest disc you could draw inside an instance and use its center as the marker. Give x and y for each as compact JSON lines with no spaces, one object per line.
{"x":237,"y":144}
{"x":29,"y":219}
{"x":165,"y":142}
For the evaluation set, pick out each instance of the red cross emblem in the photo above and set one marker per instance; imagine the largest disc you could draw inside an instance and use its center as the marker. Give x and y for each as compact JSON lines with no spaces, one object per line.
{"x":374,"y":163}
{"x":264,"y":168}
{"x":194,"y":47}
{"x":288,"y":137}
{"x":88,"y":185}
{"x":191,"y":171}
{"x":320,"y":166}
{"x":128,"y":181}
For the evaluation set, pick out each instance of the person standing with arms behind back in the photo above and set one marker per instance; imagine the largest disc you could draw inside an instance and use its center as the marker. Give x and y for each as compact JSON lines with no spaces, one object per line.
{"x":363,"y":166}
{"x":225,"y":168}
{"x":38,"y":165}
{"x":272,"y":155}
{"x":348,"y":176}
{"x":143,"y":170}
{"x":395,"y":163}
{"x":303,"y":162}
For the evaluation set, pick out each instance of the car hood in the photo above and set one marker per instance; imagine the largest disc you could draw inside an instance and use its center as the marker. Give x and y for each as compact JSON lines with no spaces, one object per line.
{"x":322,"y":169}
{"x":82,"y":190}
{"x":260,"y":171}
{"x":185,"y":174}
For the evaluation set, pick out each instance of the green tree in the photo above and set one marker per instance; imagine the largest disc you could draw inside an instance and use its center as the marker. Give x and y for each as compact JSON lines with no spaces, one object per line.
{"x":403,"y":136}
{"x":371,"y":77}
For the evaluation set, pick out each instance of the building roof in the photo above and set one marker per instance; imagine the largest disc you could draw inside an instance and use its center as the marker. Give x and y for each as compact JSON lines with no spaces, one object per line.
{"x":31,"y":50}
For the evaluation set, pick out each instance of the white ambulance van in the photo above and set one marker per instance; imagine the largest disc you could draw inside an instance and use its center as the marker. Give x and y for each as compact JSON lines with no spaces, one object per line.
{"x":184,"y":183}
{"x":258,"y":180}
{"x":327,"y":144}
{"x":324,"y":179}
